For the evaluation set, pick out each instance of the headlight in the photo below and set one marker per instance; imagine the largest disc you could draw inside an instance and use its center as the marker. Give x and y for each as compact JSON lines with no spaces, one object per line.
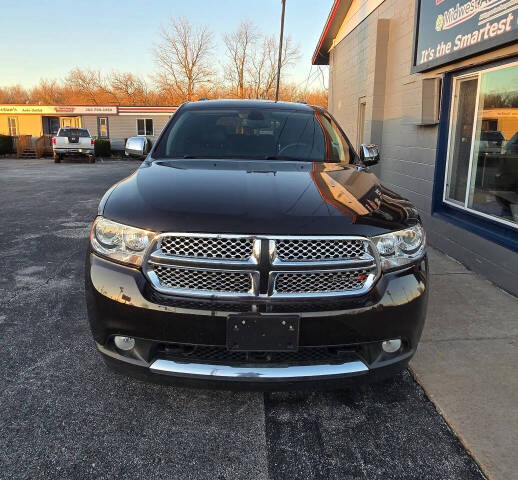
{"x":397,"y":249}
{"x":120,"y":242}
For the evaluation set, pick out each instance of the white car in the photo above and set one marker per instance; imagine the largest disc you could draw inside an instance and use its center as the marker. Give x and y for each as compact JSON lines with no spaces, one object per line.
{"x":73,"y":141}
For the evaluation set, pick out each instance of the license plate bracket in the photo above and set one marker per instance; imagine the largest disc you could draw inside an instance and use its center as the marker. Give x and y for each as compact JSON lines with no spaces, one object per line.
{"x":263,"y":333}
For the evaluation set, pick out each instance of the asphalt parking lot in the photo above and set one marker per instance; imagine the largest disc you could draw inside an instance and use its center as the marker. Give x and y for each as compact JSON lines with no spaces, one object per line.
{"x":64,"y":415}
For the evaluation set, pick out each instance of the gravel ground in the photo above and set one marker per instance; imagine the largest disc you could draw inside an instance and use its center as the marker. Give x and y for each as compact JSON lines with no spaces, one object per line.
{"x":63,"y":415}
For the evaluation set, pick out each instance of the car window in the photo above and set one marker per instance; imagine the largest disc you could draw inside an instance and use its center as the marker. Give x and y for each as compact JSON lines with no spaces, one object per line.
{"x":73,"y":132}
{"x":492,"y":136}
{"x":337,"y":147}
{"x":256,"y":133}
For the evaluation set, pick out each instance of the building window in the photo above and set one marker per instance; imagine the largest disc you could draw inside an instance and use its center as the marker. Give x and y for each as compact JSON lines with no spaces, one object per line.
{"x":13,"y":126}
{"x":145,"y":126}
{"x":102,"y":127}
{"x":482,"y":162}
{"x":70,"y":122}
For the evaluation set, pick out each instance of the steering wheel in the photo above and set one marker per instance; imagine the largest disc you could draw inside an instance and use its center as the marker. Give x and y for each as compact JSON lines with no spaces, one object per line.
{"x":291,"y":145}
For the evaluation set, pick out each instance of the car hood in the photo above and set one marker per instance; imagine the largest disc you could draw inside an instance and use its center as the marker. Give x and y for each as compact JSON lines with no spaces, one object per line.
{"x":256,"y":197}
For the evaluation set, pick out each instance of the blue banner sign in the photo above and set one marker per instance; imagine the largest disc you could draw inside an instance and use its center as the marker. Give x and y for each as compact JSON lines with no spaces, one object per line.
{"x":448,"y":30}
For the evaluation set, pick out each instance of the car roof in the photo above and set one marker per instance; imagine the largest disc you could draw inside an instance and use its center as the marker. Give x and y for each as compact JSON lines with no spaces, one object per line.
{"x":230,"y":103}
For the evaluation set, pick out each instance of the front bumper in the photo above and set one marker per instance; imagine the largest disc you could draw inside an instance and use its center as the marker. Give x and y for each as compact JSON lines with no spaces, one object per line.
{"x":74,"y":151}
{"x":120,"y":301}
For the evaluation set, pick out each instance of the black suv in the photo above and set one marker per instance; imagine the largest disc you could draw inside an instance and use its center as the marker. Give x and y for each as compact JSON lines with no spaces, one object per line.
{"x":254,"y":248}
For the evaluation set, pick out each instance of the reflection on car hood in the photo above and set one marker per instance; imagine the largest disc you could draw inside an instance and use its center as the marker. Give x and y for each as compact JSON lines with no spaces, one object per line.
{"x":257,"y":197}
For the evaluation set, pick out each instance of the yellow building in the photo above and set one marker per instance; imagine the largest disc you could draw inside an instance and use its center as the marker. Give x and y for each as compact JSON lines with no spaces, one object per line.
{"x":504,"y":120}
{"x":38,"y":120}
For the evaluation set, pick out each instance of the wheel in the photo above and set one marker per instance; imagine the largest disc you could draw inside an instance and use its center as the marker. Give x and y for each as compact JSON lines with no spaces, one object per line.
{"x":57,"y":158}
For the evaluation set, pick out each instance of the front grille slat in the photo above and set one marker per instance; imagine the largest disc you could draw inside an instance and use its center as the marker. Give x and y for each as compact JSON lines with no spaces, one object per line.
{"x":218,"y":265}
{"x":301,"y":250}
{"x":203,"y":280}
{"x":208,"y":247}
{"x":321,"y":282}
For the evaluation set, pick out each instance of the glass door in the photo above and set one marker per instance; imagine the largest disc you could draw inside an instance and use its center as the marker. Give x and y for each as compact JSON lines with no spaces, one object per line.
{"x":70,"y":122}
{"x":50,"y":125}
{"x":482,"y":162}
{"x":461,"y":138}
{"x":494,"y":172}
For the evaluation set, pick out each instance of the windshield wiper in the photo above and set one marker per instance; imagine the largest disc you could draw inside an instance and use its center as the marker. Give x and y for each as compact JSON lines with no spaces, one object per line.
{"x":241,"y":157}
{"x":225,"y":157}
{"x":284,"y":157}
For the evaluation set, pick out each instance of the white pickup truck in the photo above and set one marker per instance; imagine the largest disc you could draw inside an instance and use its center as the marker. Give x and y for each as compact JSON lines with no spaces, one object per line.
{"x":73,"y":141}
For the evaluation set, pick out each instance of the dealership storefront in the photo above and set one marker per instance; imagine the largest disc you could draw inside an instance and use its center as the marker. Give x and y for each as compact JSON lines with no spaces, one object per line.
{"x":435,"y":84}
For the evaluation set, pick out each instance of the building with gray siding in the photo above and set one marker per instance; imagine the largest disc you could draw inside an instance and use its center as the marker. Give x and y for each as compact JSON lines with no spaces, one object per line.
{"x":128,"y":122}
{"x":435,"y":84}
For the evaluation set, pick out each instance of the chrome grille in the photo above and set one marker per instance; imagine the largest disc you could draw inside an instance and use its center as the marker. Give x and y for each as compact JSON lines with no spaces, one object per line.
{"x":321,"y":282}
{"x":212,"y":247}
{"x":203,"y":280}
{"x":302,"y":250}
{"x":219,"y":354}
{"x":220,"y":266}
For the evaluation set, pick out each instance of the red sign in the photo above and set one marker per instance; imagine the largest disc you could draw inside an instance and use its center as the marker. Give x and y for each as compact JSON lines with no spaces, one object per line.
{"x":64,"y":109}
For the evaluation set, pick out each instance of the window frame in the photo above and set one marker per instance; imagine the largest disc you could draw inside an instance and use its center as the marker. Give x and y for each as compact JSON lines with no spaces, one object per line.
{"x":99,"y":127}
{"x":152,"y":134}
{"x":17,"y":126}
{"x":487,"y":228}
{"x":475,"y":73}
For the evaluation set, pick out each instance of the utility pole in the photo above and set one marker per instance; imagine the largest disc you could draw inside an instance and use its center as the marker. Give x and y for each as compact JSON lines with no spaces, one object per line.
{"x":280,"y":52}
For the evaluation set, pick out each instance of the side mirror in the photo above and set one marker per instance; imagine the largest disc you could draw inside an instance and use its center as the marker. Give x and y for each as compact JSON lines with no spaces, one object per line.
{"x":136,"y":147}
{"x":369,"y":154}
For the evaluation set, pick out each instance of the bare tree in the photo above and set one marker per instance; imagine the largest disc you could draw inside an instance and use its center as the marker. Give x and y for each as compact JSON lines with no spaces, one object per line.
{"x":14,"y":94}
{"x":262,"y":70}
{"x":47,"y":92}
{"x":239,"y":49}
{"x":263,"y":67}
{"x":90,"y":84}
{"x":128,"y":88}
{"x":183,"y":58}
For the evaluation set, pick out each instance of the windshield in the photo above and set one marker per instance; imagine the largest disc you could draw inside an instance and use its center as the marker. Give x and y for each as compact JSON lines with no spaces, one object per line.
{"x":73,"y":132}
{"x":253,"y":133}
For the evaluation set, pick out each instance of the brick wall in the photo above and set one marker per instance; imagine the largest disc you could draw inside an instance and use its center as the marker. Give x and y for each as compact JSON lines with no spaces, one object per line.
{"x":372,"y":64}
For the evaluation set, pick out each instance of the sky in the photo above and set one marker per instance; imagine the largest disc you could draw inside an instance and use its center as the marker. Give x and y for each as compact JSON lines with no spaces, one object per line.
{"x":41,"y":39}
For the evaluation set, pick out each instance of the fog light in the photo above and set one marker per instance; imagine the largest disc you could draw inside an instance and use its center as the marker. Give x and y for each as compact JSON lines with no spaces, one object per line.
{"x":124,"y":343}
{"x":391,"y":346}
